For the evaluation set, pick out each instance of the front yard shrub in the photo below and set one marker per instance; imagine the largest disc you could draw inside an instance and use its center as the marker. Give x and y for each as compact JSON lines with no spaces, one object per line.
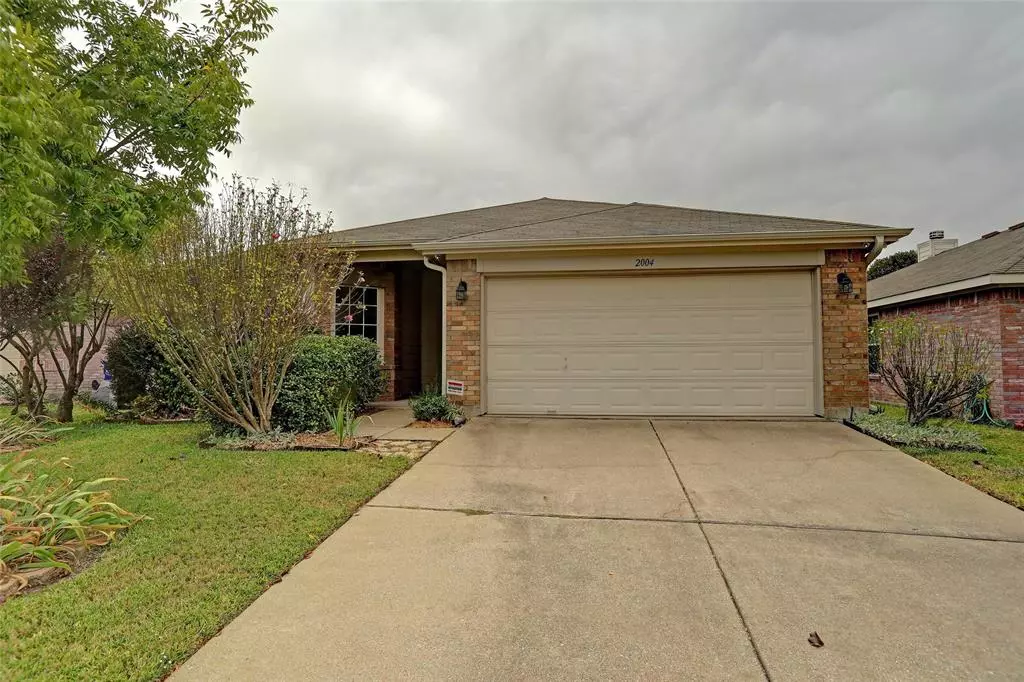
{"x":50,"y":521}
{"x":898,"y":432}
{"x":430,"y":407}
{"x":933,"y":368}
{"x":325,"y":370}
{"x":138,"y":369}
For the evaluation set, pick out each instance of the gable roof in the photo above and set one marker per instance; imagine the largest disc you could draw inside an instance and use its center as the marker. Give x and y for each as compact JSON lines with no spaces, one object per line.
{"x":547,"y":220}
{"x":1000,"y":254}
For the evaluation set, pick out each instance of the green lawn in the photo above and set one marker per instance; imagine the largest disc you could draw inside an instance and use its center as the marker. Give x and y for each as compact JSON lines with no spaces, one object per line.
{"x":224,"y":526}
{"x":999,"y":472}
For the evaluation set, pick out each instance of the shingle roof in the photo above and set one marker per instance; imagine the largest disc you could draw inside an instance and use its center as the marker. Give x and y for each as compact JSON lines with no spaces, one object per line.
{"x":552,"y":219}
{"x":1000,"y":254}
{"x":462,"y":223}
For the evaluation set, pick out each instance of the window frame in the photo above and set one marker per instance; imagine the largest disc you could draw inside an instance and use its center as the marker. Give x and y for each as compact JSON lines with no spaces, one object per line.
{"x":379,"y":324}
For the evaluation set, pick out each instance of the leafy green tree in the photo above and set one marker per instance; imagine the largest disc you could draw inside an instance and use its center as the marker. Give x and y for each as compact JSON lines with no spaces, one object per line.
{"x":889,"y":264}
{"x":110,"y":112}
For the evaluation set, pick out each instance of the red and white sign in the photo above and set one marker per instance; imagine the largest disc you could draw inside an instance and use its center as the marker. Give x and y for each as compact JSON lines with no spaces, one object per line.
{"x":455,"y":388}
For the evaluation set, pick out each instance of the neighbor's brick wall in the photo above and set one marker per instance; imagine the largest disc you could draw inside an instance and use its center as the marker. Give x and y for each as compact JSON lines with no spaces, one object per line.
{"x":375,"y":276}
{"x":880,"y":391}
{"x":464,"y":331}
{"x":844,"y":333}
{"x":997,"y":315}
{"x":1011,"y":313}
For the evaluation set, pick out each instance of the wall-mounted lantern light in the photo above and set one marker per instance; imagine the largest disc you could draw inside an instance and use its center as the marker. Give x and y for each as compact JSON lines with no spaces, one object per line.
{"x":461,"y":291}
{"x":845,"y":283}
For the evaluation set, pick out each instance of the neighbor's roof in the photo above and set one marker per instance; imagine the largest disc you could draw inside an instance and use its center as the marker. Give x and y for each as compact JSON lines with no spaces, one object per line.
{"x":1002,"y":253}
{"x":558,"y":219}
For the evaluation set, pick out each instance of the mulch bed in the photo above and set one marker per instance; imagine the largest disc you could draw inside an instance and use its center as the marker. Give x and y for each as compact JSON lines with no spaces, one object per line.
{"x":435,"y":424}
{"x":328,"y":440}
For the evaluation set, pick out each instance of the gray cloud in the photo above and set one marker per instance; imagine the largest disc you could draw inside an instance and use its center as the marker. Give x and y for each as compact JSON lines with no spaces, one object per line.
{"x":900,"y":114}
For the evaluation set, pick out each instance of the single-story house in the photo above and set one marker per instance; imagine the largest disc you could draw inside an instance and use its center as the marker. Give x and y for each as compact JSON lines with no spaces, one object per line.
{"x":979,"y":285}
{"x":554,"y":307}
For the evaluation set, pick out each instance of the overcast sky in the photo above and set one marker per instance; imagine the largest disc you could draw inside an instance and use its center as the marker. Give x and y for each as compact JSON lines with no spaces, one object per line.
{"x":898,"y":114}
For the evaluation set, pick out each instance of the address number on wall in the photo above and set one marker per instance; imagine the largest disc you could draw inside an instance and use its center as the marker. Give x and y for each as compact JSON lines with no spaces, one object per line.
{"x":643,"y":262}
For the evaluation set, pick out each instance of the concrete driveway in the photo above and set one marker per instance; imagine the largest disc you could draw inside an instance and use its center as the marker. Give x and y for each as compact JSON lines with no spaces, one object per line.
{"x":631,"y":549}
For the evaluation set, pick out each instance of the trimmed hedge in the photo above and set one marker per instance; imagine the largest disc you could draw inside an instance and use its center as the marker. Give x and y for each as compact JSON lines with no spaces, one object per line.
{"x":324,"y":370}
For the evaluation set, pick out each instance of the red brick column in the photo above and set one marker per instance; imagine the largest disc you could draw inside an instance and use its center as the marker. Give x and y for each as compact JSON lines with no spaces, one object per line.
{"x":844,"y":333}
{"x":463,"y":320}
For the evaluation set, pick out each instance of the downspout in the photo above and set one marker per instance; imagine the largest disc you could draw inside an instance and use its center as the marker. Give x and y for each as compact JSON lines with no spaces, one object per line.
{"x":444,"y":320}
{"x":876,"y":249}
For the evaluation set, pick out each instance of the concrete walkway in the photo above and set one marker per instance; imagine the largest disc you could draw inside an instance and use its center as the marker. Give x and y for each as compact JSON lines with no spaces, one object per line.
{"x":395,"y":423}
{"x":628,"y":549}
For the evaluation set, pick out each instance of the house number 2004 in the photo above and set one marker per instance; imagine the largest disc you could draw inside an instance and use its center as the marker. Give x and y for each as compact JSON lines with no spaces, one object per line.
{"x":643,"y":263}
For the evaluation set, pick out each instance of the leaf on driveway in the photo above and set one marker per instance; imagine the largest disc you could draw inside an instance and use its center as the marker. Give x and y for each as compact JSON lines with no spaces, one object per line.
{"x":815,"y":640}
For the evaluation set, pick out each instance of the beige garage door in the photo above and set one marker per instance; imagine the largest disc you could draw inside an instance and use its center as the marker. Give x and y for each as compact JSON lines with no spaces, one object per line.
{"x":708,"y":344}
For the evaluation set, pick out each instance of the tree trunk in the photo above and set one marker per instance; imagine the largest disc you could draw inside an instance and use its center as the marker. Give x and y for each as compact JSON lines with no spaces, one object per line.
{"x":66,"y":406}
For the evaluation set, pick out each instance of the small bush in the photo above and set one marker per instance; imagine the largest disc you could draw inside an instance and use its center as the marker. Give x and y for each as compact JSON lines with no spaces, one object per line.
{"x":50,"y":521}
{"x":899,"y":432}
{"x":430,"y":407}
{"x":325,"y":370}
{"x":138,"y":368}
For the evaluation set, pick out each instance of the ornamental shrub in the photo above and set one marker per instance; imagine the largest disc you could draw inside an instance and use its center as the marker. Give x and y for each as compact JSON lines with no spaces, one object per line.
{"x":430,"y":407}
{"x":324,"y":371}
{"x":138,"y":368}
{"x":932,"y":367}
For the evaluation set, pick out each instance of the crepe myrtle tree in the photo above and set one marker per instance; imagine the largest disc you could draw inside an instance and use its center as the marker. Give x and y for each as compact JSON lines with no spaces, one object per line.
{"x":109,"y":113}
{"x":228,"y":291}
{"x":80,"y":328}
{"x":932,"y":367}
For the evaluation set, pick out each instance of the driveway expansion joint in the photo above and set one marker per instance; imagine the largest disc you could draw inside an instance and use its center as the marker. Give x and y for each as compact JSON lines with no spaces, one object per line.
{"x":714,"y":557}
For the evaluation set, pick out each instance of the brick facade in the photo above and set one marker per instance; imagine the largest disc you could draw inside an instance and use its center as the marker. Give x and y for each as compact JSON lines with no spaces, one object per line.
{"x":844,"y":333}
{"x":998,"y":315}
{"x":464,"y":331}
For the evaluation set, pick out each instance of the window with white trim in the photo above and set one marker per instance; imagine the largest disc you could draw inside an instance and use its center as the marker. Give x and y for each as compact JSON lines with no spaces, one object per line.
{"x":357,"y":312}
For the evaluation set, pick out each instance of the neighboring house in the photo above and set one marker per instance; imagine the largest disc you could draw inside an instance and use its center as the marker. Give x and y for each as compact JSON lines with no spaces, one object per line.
{"x":980,"y":286}
{"x":553,"y":307}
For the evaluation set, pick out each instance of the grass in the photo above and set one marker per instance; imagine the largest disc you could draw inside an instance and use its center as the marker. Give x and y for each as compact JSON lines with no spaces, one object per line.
{"x":998,"y":472}
{"x":225,"y":526}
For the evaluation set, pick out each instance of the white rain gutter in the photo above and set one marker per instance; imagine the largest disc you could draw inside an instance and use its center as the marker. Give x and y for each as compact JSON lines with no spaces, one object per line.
{"x":876,"y":249}
{"x":444,"y":320}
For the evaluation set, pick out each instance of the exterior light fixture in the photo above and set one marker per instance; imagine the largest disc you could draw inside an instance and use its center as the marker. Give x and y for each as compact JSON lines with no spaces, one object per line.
{"x":845,"y":283}
{"x":461,"y":291}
